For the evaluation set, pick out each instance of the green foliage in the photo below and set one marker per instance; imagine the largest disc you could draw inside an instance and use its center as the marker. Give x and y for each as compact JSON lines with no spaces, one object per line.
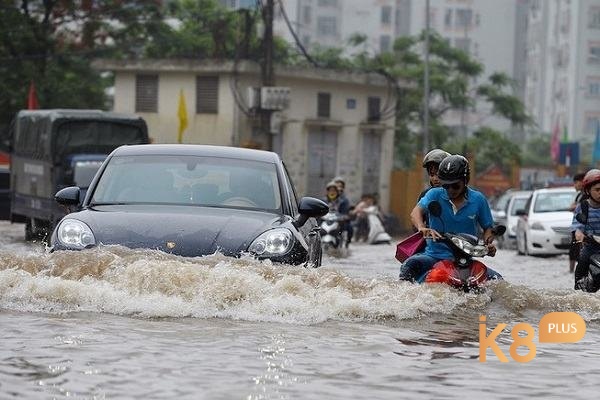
{"x":53,"y":42}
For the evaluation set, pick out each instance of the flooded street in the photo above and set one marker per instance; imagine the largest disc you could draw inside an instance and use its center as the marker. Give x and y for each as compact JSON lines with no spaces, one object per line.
{"x":113,"y":323}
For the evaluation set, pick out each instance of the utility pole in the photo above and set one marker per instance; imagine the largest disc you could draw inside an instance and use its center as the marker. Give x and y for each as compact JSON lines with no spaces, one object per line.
{"x":267,"y":76}
{"x":426,"y":83}
{"x":426,"y":89}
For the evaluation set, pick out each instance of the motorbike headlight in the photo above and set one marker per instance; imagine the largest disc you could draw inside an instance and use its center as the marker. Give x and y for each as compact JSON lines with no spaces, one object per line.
{"x":468,"y":248}
{"x":75,"y":234}
{"x":537,"y":226}
{"x":275,"y":242}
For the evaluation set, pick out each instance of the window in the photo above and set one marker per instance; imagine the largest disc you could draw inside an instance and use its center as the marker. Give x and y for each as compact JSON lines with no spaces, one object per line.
{"x":594,"y":52}
{"x":386,"y":15}
{"x":327,"y":3}
{"x":207,"y":94}
{"x":306,"y":15}
{"x":463,"y":43}
{"x":464,"y":18}
{"x":594,"y":17}
{"x":385,"y":43}
{"x":448,"y":18}
{"x":146,"y":93}
{"x":373,"y":109}
{"x":323,"y":105}
{"x":592,"y":123}
{"x":593,"y":87}
{"x":327,"y":26}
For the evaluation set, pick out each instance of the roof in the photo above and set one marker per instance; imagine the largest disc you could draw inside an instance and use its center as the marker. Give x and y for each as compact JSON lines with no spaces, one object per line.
{"x":243,"y":67}
{"x":198,"y":150}
{"x":54,"y":114}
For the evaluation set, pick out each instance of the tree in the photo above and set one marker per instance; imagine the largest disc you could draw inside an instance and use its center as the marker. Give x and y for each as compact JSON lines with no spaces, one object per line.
{"x":53,"y":42}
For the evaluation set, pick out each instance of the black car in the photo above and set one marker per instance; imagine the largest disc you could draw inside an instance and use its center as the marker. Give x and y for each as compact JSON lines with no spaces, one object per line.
{"x":193,"y":200}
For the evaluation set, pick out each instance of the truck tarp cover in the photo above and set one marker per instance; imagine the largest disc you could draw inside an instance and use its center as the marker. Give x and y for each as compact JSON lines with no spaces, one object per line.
{"x":99,"y":137}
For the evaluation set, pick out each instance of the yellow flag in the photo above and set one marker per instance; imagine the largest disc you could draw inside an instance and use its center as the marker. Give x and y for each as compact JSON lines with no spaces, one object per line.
{"x":182,"y":114}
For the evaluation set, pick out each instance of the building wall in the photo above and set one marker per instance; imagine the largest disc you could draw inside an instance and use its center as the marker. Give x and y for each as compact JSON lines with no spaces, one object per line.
{"x":163,"y":126}
{"x":232,"y":127}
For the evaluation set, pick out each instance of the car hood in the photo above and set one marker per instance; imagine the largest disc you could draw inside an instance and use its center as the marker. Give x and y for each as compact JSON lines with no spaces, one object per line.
{"x":182,"y":230}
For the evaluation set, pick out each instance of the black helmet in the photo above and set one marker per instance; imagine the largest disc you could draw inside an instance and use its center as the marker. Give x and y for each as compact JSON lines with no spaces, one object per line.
{"x":454,"y":168}
{"x":435,"y":156}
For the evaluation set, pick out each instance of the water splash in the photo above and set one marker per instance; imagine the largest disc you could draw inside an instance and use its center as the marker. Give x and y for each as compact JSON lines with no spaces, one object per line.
{"x":152,"y":284}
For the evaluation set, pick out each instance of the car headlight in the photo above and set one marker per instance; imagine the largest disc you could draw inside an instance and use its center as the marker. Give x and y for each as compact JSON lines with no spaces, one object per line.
{"x":468,"y":248}
{"x":275,"y":242}
{"x":537,"y":226}
{"x":75,"y":234}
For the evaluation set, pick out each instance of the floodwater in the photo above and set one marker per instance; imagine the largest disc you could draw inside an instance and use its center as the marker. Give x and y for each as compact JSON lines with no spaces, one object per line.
{"x":113,"y":323}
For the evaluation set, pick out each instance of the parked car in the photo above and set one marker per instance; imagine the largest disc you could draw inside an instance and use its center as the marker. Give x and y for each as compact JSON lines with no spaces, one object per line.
{"x":517,"y":201}
{"x":498,"y":206}
{"x":194,"y":200}
{"x":544,"y":224}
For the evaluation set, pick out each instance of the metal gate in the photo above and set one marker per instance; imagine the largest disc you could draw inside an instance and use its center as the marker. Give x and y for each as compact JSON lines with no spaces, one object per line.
{"x":371,"y":159}
{"x":322,"y":161}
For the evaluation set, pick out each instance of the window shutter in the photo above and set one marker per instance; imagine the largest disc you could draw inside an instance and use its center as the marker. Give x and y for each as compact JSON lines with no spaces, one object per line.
{"x":207,"y":94}
{"x":323,"y":105}
{"x":374,"y":109}
{"x":146,"y":93}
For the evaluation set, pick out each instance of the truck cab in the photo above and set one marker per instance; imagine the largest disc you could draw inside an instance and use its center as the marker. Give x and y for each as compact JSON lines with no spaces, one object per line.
{"x":53,"y":149}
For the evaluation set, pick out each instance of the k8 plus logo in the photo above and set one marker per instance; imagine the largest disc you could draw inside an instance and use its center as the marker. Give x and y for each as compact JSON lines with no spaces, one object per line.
{"x":554,"y":327}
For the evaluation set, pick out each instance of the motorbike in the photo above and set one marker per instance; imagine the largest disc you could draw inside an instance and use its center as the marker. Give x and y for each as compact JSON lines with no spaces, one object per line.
{"x":333,"y":236}
{"x":464,"y":273}
{"x":591,"y":282}
{"x":377,"y":233}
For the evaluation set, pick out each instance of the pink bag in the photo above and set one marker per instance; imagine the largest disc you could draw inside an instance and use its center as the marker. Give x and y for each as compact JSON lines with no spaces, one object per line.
{"x":409,"y":246}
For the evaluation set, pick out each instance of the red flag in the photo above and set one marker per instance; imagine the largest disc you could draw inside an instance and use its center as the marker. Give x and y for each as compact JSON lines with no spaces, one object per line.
{"x":555,"y":143}
{"x":32,"y":103}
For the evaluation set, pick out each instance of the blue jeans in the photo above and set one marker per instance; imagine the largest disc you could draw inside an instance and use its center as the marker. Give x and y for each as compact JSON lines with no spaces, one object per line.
{"x":416,"y":266}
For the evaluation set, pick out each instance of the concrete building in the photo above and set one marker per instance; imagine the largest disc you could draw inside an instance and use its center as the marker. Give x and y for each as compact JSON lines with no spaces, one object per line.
{"x":563,"y":67}
{"x":330,"y":23}
{"x":494,"y":32}
{"x":337,"y":123}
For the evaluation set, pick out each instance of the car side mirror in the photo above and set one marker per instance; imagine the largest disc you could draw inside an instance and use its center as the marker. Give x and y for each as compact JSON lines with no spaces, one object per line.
{"x":521,"y":212}
{"x":581,"y":218}
{"x":68,"y":196}
{"x":310,"y":207}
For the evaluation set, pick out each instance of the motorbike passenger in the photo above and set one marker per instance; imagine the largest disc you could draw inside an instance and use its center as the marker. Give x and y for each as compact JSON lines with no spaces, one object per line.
{"x":585,"y":279}
{"x":431,"y":163}
{"x":463,"y":208}
{"x":341,"y":185}
{"x":575,"y":246}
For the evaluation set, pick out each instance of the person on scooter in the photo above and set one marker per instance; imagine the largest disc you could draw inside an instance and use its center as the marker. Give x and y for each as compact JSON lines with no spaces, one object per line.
{"x":463,"y":208}
{"x":575,"y":247}
{"x":431,"y":163}
{"x":341,"y":185}
{"x":590,"y":209}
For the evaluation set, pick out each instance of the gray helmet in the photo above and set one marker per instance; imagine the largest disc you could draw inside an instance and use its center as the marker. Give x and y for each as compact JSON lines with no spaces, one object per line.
{"x":435,"y":156}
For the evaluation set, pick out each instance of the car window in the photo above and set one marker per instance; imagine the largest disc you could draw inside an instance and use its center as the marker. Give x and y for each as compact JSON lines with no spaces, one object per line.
{"x":554,"y":201}
{"x":189,"y":180}
{"x":518,"y":204}
{"x":501,"y":202}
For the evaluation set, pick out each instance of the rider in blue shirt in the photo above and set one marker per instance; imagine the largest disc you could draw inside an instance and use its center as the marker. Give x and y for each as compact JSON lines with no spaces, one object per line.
{"x":463,"y":210}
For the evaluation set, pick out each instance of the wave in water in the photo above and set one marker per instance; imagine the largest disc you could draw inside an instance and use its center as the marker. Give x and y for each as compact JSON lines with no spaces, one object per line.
{"x":152,"y":284}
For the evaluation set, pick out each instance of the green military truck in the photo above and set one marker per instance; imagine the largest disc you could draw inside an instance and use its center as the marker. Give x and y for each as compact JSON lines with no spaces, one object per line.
{"x":53,"y":149}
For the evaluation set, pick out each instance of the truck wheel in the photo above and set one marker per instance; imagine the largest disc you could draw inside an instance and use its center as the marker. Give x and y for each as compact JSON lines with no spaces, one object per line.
{"x":29,"y":233}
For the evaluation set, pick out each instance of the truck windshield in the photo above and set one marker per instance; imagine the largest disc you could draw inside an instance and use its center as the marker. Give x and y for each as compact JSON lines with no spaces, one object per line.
{"x":91,"y":136}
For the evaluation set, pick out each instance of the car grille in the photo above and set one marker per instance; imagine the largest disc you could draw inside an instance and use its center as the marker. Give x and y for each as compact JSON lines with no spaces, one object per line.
{"x":562,"y":230}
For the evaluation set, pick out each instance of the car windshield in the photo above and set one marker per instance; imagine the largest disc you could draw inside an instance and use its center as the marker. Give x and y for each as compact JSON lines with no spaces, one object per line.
{"x":188,"y":180}
{"x":556,"y":201}
{"x":502,"y":201}
{"x":518,"y":204}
